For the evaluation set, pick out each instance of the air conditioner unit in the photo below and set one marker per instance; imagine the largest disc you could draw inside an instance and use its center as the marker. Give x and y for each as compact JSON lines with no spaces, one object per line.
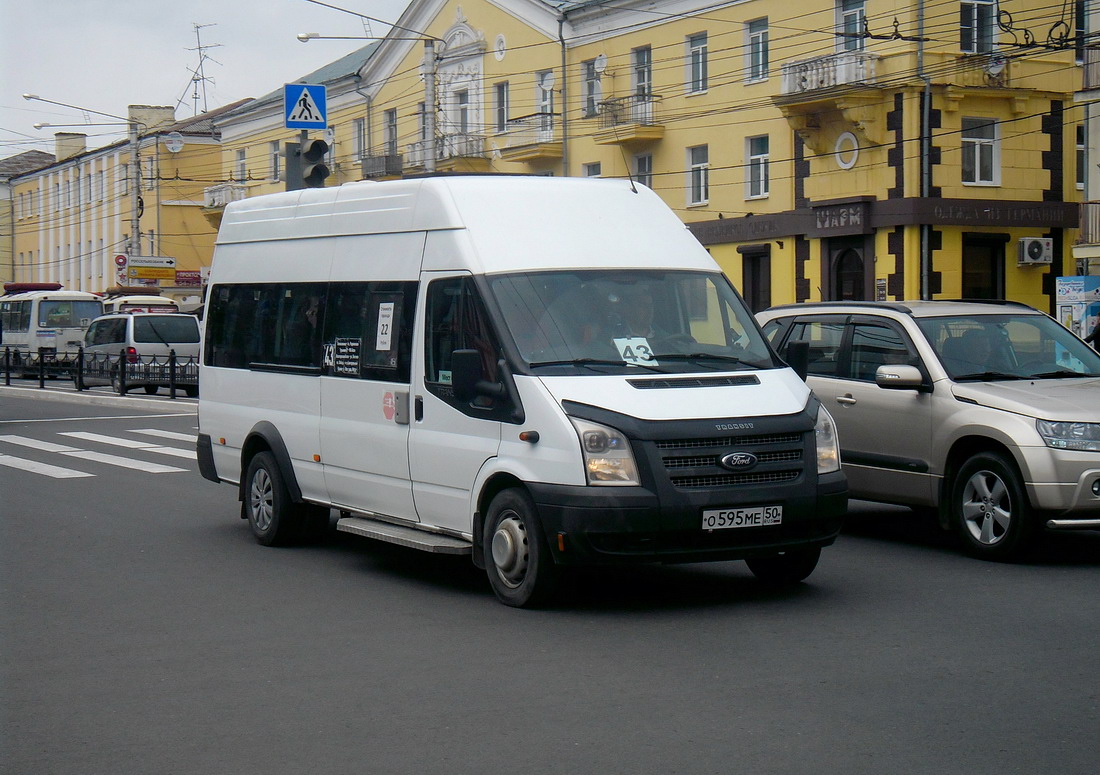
{"x":1036,"y":250}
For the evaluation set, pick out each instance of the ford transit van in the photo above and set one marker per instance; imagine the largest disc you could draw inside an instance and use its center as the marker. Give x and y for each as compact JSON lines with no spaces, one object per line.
{"x":536,"y":372}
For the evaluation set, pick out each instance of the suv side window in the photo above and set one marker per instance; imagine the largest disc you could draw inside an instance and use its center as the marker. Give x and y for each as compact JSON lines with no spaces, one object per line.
{"x":875,"y":345}
{"x":824,"y":336}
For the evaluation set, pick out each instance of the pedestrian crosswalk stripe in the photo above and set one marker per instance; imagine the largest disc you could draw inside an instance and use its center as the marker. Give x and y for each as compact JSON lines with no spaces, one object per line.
{"x":123,"y":462}
{"x":144,"y":446}
{"x":167,"y":434}
{"x":45,"y":446}
{"x":56,"y":472}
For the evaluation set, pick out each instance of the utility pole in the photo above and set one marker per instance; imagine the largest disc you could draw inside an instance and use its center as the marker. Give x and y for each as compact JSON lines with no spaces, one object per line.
{"x":135,"y":200}
{"x":431,"y":66}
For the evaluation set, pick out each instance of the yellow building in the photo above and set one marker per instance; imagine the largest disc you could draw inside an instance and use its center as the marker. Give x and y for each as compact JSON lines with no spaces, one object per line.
{"x":829,"y":149}
{"x":82,"y":220}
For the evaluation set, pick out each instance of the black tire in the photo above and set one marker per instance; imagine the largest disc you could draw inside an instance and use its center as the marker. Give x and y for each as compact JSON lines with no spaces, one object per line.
{"x":787,"y":569}
{"x":274,"y":518}
{"x":151,"y":389}
{"x":989,"y":508}
{"x":518,"y":562}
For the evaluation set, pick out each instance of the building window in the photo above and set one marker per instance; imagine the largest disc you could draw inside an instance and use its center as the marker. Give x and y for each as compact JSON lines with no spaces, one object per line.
{"x":500,"y":106}
{"x":462,"y":111}
{"x":980,"y":152}
{"x":389,"y":122}
{"x":242,"y":167}
{"x":359,"y":137}
{"x":850,"y":23}
{"x":758,"y":49}
{"x":757,"y":150}
{"x":642,"y":76}
{"x":592,"y":91}
{"x":421,"y":122}
{"x":592,"y":170}
{"x":276,"y":158}
{"x":977,"y":18}
{"x":697,"y":63}
{"x":1080,"y":156}
{"x":698,"y":175}
{"x":544,"y":100}
{"x":643,"y":169}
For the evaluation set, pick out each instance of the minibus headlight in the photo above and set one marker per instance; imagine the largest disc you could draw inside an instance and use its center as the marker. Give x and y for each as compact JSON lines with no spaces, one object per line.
{"x":828,"y":448}
{"x":607,"y":456}
{"x":1082,"y":436}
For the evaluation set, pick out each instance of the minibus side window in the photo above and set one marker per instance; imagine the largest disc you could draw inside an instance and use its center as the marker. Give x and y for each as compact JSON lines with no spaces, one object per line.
{"x":368,"y":330}
{"x":456,"y":320}
{"x":265,"y":324}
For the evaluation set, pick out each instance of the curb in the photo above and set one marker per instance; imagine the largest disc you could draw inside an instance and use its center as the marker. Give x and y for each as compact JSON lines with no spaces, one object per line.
{"x":145,"y":403}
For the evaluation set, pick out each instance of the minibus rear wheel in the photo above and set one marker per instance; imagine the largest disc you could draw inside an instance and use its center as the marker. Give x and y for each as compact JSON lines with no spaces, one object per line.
{"x":274,"y":518}
{"x":518,"y":562}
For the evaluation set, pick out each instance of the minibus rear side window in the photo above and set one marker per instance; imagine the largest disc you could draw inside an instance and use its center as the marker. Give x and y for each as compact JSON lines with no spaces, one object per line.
{"x":368,"y":330}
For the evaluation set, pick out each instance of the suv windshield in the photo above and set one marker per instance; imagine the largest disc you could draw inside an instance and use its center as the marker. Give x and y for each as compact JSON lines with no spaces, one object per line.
{"x":608,"y":320}
{"x":1002,"y":347}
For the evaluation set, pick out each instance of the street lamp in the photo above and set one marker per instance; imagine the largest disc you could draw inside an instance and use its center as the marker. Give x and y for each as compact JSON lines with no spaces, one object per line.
{"x":135,"y":160}
{"x":430,"y":65}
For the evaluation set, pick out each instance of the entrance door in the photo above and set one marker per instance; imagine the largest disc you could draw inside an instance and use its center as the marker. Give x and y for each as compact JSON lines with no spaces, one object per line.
{"x":848,"y":278}
{"x":450,"y":439}
{"x":983,"y":275}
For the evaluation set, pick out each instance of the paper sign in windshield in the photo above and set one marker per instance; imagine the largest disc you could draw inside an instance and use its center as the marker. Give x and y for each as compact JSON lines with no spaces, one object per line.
{"x":636,"y":350}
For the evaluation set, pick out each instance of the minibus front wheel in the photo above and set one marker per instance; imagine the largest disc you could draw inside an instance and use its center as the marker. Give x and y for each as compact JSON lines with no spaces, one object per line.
{"x":518,"y":562}
{"x":271,"y":512}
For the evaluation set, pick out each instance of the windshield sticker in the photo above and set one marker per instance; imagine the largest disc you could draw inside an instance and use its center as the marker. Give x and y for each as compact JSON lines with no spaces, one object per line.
{"x":636,"y":350}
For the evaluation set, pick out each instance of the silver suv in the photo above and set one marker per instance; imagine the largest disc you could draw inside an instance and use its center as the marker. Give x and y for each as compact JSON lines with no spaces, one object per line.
{"x":988,"y":412}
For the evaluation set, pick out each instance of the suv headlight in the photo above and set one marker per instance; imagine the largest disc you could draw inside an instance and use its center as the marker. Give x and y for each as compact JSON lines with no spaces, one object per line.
{"x":828,"y":448}
{"x":1083,"y":436}
{"x":608,"y":460}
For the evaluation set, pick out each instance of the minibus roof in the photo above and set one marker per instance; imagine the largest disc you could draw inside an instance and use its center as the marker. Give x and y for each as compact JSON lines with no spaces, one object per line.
{"x":515,"y":223}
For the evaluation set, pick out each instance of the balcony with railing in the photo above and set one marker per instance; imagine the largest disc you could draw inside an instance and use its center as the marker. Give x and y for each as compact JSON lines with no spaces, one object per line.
{"x":1090,"y":224}
{"x":217,"y":197}
{"x":630,"y":119}
{"x":531,"y":138}
{"x":1092,"y":68}
{"x":385,"y":166}
{"x":846,"y":68}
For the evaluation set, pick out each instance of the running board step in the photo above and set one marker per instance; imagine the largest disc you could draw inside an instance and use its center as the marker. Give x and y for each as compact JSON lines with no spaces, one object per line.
{"x":404,"y":536}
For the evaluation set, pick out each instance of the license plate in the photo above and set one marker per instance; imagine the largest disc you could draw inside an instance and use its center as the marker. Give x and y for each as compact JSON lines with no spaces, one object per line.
{"x":754,"y":516}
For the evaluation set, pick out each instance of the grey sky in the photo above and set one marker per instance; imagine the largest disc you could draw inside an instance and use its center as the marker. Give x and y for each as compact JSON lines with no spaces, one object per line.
{"x":107,"y":54}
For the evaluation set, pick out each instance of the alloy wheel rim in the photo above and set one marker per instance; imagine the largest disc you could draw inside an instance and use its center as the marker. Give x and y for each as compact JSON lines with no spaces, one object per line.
{"x":261,"y":497}
{"x":986,"y":508}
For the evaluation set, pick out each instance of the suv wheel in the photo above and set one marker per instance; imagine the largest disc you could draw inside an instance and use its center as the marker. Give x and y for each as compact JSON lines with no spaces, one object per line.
{"x":989,"y":508}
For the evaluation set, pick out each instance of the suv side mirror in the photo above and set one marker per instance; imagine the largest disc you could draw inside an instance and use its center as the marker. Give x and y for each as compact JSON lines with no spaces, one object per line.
{"x":797,"y":357}
{"x":899,"y":377}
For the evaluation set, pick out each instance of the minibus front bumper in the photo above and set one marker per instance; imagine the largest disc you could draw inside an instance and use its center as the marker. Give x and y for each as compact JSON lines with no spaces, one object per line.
{"x":623,"y":525}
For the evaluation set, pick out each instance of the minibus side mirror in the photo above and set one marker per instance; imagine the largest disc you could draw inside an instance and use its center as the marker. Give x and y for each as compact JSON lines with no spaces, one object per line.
{"x":466,"y":376}
{"x":798,"y":358}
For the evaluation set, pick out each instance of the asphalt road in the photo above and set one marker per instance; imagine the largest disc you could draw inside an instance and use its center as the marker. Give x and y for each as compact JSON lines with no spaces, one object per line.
{"x":144,"y":631}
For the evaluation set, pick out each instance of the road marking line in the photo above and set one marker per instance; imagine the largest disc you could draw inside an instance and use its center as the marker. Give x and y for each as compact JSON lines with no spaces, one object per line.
{"x":45,"y":446}
{"x":104,"y":417}
{"x":166,"y":434}
{"x":55,"y":472}
{"x":124,"y":462}
{"x":99,"y":437}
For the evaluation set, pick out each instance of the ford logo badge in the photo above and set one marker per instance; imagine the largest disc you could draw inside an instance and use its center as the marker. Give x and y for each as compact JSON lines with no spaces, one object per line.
{"x":739,"y":461}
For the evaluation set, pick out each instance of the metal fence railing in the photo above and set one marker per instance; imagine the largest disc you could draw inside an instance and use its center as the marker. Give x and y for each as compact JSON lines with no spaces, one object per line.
{"x":120,"y":372}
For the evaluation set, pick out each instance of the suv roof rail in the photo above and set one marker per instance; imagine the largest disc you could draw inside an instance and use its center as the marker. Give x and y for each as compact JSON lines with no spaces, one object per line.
{"x":1003,"y":302}
{"x":893,"y":305}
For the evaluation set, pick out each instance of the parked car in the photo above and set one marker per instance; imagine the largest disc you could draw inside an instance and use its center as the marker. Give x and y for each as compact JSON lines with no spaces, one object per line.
{"x":145,"y":340}
{"x":987,"y":412}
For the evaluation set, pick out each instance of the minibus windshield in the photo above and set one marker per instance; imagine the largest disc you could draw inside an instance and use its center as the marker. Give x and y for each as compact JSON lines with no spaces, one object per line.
{"x":607,"y":320}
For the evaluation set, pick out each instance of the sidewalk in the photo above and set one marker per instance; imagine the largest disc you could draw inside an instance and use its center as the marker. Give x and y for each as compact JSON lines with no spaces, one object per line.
{"x":64,"y":390}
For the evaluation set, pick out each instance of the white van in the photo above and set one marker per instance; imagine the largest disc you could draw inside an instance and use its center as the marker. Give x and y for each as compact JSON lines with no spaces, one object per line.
{"x":538,"y":372}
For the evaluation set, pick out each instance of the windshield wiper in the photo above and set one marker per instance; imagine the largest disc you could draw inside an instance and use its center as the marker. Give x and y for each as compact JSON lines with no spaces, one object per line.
{"x":988,"y":376}
{"x":706,"y":357}
{"x":1060,"y":373}
{"x":594,"y":362}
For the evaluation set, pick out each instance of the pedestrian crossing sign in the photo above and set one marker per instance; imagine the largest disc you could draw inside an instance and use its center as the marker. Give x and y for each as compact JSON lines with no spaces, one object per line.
{"x":304,"y":106}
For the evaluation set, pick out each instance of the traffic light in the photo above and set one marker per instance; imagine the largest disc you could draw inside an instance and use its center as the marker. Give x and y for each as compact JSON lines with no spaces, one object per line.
{"x":304,"y":165}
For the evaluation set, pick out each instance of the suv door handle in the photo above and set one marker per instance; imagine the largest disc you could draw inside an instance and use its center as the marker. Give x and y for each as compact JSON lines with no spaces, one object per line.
{"x":845,"y":399}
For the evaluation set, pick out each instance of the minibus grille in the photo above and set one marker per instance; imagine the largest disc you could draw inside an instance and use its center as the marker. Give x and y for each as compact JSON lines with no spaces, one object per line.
{"x":693,"y":464}
{"x":694,"y":382}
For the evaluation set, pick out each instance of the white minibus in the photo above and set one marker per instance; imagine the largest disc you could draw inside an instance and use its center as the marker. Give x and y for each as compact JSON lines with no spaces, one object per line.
{"x":536,"y":372}
{"x":42,"y":317}
{"x":122,"y":299}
